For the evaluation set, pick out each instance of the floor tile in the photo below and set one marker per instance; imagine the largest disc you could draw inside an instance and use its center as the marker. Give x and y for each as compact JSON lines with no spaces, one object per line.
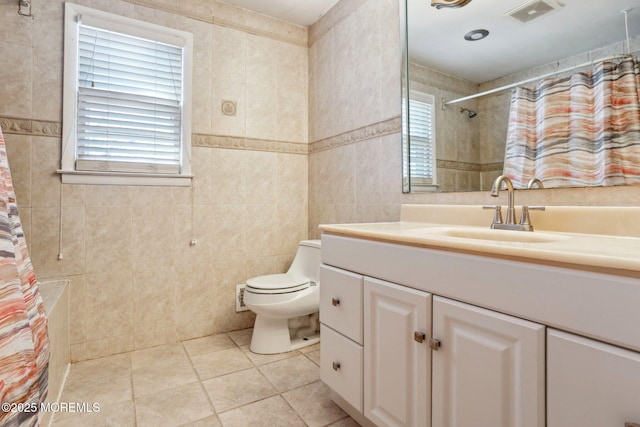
{"x":98,"y":390}
{"x":208,"y":344}
{"x":163,"y":355}
{"x":211,"y":421}
{"x":314,"y":356}
{"x":110,"y":415}
{"x":345,"y":422}
{"x":212,"y":381}
{"x":222,"y":362}
{"x":161,"y":368}
{"x":273,"y":411}
{"x":313,"y":403}
{"x":241,"y":337}
{"x":153,"y":379}
{"x":173,"y":407}
{"x":233,"y":390}
{"x":120,"y":364}
{"x":263,"y":359}
{"x":291,"y":373}
{"x":311,"y":348}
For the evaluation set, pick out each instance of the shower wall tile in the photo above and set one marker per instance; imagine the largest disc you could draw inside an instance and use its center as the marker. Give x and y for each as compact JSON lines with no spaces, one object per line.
{"x":17,"y":78}
{"x":108,"y":231}
{"x":78,"y":310}
{"x":19,"y":155}
{"x":16,"y":29}
{"x":109,"y":298}
{"x":45,"y":182}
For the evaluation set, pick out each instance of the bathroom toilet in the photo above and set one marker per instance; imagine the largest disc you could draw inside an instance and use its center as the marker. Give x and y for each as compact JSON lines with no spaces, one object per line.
{"x":286,"y":305}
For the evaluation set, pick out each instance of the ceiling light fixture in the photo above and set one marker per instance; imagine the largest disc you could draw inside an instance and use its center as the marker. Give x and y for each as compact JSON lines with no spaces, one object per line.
{"x":476,"y":35}
{"x":439,"y":4}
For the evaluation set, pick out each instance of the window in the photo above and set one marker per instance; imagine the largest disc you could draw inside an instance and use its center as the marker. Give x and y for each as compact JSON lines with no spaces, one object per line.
{"x":127,"y":101}
{"x":422,"y":148}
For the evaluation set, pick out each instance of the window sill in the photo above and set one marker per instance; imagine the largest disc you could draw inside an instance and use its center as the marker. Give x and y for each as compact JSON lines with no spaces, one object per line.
{"x":423,"y":188}
{"x":122,"y":178}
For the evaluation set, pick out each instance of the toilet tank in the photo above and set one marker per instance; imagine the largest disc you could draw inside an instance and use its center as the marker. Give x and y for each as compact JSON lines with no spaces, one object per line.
{"x":307,"y":260}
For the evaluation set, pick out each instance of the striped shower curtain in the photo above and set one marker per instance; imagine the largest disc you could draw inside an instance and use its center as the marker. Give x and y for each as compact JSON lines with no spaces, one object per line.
{"x":24,"y":345}
{"x":582,"y":130}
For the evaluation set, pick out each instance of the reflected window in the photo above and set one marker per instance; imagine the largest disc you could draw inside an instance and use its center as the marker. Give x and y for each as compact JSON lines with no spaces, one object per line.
{"x":422,"y":145}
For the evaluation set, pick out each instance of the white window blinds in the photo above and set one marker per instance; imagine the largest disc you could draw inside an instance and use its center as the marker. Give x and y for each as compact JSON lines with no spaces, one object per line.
{"x":129,"y":112}
{"x":421,"y":138}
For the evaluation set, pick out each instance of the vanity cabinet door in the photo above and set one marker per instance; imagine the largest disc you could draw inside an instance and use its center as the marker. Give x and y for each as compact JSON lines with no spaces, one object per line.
{"x":397,"y":367}
{"x":591,"y":384}
{"x":489,"y":369}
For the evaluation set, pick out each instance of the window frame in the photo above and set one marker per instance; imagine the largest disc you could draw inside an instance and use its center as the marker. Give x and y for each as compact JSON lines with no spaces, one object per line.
{"x":108,"y":21}
{"x":422,"y":184}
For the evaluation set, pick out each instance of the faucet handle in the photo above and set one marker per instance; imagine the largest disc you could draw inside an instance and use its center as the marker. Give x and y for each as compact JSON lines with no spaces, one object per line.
{"x":497,"y":216}
{"x":525,"y":220}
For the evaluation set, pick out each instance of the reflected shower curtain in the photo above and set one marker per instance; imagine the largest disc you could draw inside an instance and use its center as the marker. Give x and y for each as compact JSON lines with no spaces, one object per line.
{"x":24,"y":345}
{"x":582,"y":130}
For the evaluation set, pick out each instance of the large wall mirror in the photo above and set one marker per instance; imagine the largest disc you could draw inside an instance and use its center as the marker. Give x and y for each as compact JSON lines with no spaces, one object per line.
{"x":541,"y":88}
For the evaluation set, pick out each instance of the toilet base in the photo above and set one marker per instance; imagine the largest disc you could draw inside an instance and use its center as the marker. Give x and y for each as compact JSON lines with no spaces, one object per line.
{"x":271,"y":336}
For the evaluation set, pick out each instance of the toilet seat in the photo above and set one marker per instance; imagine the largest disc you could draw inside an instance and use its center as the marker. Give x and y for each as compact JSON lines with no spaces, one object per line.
{"x":277,"y":284}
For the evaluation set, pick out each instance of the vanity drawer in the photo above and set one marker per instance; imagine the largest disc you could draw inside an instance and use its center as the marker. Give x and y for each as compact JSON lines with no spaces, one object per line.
{"x":341,"y":301}
{"x":341,"y":364}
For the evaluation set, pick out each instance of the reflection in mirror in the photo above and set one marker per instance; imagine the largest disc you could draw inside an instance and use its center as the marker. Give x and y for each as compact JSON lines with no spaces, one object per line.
{"x":565,"y":72}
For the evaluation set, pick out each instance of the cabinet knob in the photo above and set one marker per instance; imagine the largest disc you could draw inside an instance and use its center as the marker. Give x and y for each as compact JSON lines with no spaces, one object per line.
{"x":419,"y":336}
{"x":335,"y":302}
{"x":434,"y":344}
{"x":336,"y":366}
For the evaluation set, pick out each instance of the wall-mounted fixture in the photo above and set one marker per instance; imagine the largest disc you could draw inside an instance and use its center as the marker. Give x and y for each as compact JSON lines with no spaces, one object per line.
{"x":24,"y":7}
{"x":439,"y":4}
{"x":470,"y":113}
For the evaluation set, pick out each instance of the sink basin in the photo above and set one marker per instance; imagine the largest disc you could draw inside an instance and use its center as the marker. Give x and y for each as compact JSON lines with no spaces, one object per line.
{"x":493,"y":235}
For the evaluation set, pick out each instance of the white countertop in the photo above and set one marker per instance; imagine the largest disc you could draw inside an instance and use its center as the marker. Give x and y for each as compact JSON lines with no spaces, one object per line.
{"x":613,"y":254}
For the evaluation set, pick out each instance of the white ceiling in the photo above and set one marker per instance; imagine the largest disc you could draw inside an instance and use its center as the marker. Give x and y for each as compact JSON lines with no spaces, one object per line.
{"x":301,"y":12}
{"x":436,"y":37}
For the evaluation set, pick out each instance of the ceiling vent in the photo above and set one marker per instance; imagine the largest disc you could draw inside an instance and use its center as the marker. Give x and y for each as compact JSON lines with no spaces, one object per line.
{"x":534,"y":9}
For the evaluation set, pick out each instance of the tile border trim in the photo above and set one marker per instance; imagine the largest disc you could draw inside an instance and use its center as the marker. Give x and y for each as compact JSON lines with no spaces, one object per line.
{"x":469,"y":167}
{"x":240,"y":143}
{"x":17,"y":126}
{"x":375,"y":130}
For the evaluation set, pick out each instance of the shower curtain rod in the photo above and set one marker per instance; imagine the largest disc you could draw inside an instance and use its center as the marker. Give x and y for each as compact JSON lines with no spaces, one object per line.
{"x":533,"y":79}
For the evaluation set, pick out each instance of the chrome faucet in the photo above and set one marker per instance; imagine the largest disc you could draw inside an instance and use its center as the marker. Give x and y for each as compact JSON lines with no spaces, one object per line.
{"x":510,"y":223}
{"x":525,"y":220}
{"x":534,"y":181}
{"x":511,"y":210}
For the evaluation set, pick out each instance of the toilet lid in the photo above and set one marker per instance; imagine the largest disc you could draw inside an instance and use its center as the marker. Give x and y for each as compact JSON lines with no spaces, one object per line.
{"x":277,"y":284}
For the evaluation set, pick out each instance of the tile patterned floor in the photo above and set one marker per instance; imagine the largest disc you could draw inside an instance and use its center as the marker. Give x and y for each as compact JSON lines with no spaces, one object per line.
{"x":210,"y":381}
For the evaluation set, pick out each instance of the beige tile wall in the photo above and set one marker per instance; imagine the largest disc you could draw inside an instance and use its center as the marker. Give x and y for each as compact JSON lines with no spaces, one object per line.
{"x":135,"y":280}
{"x":344,"y":189}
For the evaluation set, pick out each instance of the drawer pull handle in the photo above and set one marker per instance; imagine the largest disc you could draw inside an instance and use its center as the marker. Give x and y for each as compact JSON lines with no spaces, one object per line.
{"x":434,"y":344}
{"x":335,"y":302}
{"x":419,"y":336}
{"x":336,"y":366}
{"x":631,"y":424}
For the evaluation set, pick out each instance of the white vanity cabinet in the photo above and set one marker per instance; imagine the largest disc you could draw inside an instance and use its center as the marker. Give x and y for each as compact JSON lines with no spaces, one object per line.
{"x":374,"y":351}
{"x":590,"y":383}
{"x":341,"y":352}
{"x":496,"y":351}
{"x":489,"y":368}
{"x":397,"y":357}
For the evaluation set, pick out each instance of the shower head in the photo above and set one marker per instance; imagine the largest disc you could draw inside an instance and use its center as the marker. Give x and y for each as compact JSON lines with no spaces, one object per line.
{"x":470,"y":113}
